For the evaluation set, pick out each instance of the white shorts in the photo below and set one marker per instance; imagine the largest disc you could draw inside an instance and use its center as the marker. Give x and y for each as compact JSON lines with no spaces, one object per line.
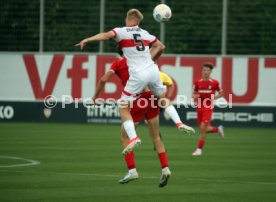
{"x":136,"y":83}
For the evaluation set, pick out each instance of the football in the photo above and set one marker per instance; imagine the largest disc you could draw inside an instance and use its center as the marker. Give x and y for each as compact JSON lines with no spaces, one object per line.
{"x":162,"y":13}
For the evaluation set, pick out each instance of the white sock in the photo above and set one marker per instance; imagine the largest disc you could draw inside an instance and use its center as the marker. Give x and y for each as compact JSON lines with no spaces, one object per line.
{"x":133,"y":170}
{"x":165,"y":170}
{"x":130,"y":129}
{"x":171,"y":111}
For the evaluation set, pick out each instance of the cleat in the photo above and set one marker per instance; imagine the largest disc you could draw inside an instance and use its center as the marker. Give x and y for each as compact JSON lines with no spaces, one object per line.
{"x":197,"y":152}
{"x":134,"y":142}
{"x":186,"y":129}
{"x":221,"y":131}
{"x":166,"y":173}
{"x":130,"y":176}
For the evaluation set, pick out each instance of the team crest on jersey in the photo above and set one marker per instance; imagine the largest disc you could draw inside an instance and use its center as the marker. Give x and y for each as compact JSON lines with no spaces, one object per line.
{"x":210,"y":87}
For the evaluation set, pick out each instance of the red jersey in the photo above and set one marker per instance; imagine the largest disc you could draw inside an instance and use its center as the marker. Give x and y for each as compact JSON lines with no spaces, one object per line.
{"x":206,"y":90}
{"x":120,"y":68}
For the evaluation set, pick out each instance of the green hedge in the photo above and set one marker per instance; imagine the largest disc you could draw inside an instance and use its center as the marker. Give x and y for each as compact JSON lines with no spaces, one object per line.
{"x":195,"y":27}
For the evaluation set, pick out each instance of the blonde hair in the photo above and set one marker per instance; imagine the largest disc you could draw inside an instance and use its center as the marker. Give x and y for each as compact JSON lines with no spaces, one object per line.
{"x":135,"y":15}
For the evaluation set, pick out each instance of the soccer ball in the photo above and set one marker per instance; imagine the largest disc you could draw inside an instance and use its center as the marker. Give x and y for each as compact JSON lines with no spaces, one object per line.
{"x":162,"y":13}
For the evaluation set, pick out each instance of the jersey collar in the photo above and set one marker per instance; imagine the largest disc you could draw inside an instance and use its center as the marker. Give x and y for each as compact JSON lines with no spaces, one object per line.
{"x":134,"y":25}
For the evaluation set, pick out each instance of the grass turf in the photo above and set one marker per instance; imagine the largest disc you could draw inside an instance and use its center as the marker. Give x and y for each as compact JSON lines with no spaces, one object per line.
{"x":84,"y":163}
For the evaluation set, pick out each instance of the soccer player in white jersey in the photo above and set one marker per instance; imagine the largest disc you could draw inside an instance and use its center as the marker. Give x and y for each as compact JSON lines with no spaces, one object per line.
{"x":143,"y":72}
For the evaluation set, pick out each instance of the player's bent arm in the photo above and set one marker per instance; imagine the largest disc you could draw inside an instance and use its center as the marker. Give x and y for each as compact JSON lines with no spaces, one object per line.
{"x":170,"y":90}
{"x":219,"y":95}
{"x":195,"y":95}
{"x":98,"y":37}
{"x":156,"y":50}
{"x":101,"y":84}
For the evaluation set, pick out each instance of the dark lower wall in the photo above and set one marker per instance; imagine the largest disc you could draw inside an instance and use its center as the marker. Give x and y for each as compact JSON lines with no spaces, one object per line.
{"x":237,"y":116}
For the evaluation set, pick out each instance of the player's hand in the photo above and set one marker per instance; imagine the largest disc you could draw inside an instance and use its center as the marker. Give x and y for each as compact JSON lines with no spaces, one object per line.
{"x":195,"y":96}
{"x":94,"y":100}
{"x":81,"y":44}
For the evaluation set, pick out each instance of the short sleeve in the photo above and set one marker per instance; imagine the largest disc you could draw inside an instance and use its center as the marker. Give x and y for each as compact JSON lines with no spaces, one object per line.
{"x":117,"y":31}
{"x":152,"y":39}
{"x":114,"y":67}
{"x":218,"y":86}
{"x":166,"y":79}
{"x":152,"y":42}
{"x":195,"y":87}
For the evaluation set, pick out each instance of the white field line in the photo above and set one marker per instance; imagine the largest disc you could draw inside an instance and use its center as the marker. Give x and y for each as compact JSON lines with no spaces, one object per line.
{"x":143,"y":177}
{"x":75,"y":174}
{"x":231,"y":181}
{"x":30,"y":162}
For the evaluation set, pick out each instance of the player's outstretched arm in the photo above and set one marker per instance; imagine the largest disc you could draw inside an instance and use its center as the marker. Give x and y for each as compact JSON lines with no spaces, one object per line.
{"x":156,"y":50}
{"x":101,"y":84}
{"x":98,"y":37}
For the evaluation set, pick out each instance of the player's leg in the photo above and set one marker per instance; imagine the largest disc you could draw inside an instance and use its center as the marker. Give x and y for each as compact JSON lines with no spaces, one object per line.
{"x":153,"y":126}
{"x":132,"y":173}
{"x":154,"y":148}
{"x":202,"y":139}
{"x":133,"y":86}
{"x":137,"y":114}
{"x":129,"y":127}
{"x":172,"y":113}
{"x":126,"y":118}
{"x":203,"y":127}
{"x":159,"y":91}
{"x":214,"y":129}
{"x":198,"y":151}
{"x":211,"y":129}
{"x":204,"y":119}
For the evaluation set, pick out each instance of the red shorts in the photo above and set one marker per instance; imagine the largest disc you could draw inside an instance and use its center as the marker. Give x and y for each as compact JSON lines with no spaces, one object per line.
{"x":204,"y":115}
{"x":142,"y":108}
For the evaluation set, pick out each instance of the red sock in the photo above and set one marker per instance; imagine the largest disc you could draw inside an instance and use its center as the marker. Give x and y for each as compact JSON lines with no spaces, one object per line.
{"x":163,"y":159}
{"x":200,"y":144}
{"x":129,"y":158}
{"x":214,"y":130}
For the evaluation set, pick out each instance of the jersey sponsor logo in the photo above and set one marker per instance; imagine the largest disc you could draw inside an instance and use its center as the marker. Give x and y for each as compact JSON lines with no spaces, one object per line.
{"x":205,"y":91}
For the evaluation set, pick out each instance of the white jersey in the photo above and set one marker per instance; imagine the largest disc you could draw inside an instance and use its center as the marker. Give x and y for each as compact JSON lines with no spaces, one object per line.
{"x":135,"y":43}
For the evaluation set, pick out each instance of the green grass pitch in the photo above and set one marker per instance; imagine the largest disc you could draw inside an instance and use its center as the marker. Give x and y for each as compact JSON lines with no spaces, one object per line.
{"x":84,"y":163}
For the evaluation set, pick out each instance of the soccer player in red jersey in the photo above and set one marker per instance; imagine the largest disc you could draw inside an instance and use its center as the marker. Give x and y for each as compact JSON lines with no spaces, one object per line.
{"x":151,"y":113}
{"x":204,"y":94}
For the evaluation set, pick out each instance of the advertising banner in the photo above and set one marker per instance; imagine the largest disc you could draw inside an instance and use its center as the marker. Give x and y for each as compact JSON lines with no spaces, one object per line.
{"x":28,"y":80}
{"x":31,"y":77}
{"x":237,"y":116}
